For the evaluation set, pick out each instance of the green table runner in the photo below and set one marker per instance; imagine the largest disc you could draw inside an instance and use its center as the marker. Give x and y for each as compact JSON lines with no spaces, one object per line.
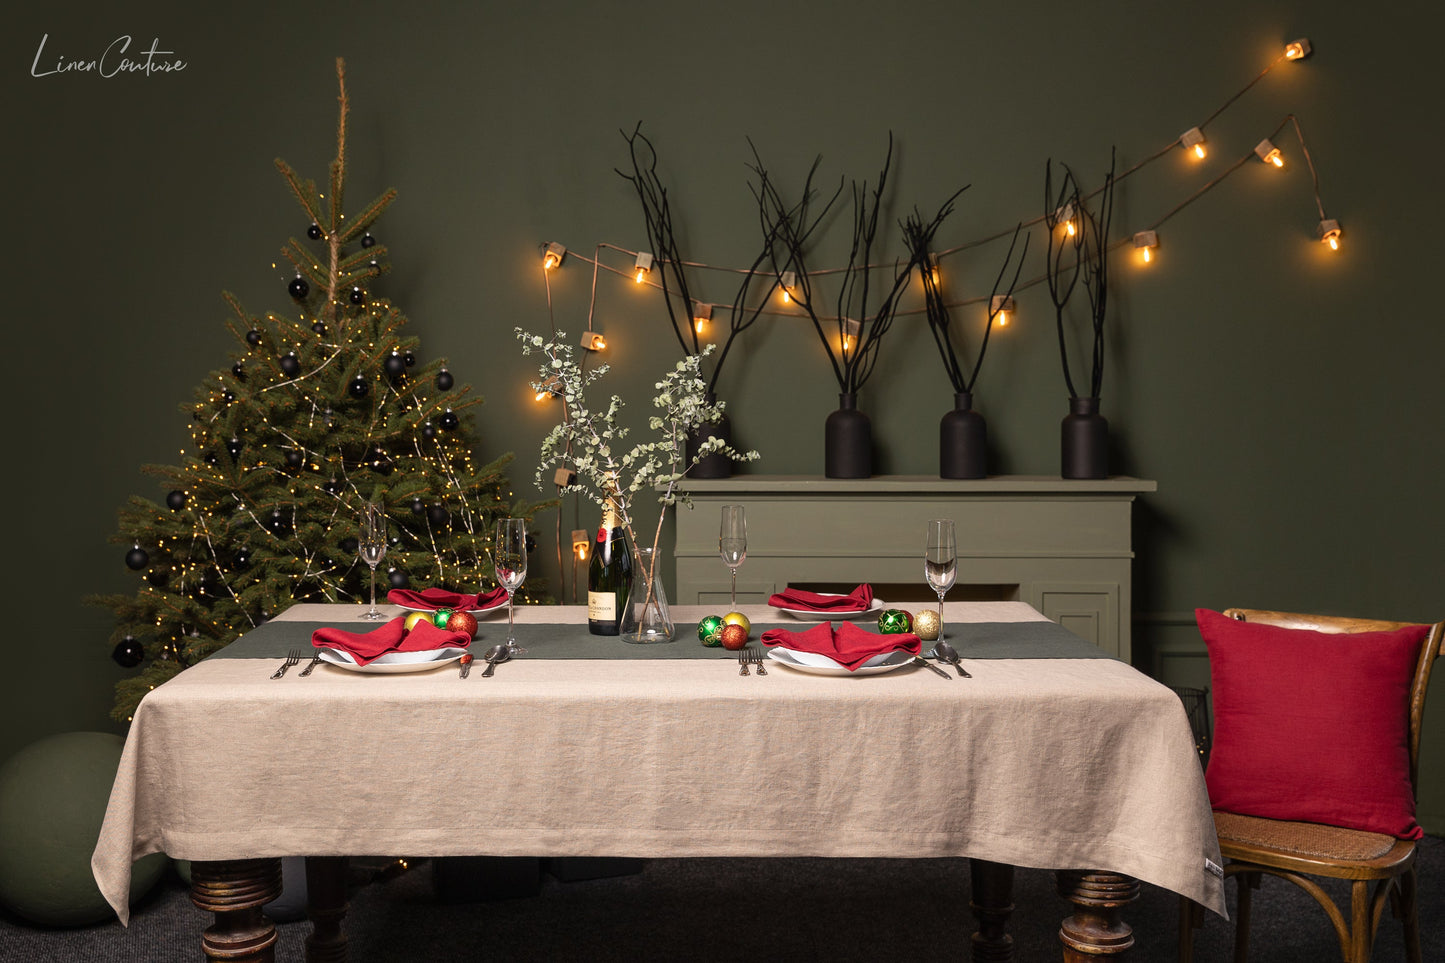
{"x":973,"y":640}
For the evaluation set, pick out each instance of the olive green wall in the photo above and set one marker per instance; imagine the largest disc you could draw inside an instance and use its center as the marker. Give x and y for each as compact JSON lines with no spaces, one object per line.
{"x":1286,"y":400}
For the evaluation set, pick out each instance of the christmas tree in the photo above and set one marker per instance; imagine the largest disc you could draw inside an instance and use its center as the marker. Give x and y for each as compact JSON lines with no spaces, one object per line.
{"x":318,"y":414}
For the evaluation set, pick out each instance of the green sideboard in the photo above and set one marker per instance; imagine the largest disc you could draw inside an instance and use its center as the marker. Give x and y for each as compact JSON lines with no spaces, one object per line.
{"x":1062,"y":546}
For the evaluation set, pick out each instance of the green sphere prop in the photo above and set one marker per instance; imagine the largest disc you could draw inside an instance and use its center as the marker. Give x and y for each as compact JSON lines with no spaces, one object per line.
{"x":441,"y":617}
{"x":53,"y":795}
{"x":894,"y":622}
{"x":709,"y":630}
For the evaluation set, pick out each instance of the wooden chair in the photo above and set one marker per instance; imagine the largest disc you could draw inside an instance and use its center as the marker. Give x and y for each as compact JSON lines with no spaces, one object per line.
{"x":1296,"y":851}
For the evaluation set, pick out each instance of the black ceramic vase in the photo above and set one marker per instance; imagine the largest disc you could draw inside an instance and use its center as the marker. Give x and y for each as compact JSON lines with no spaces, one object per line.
{"x":1084,"y":440}
{"x":848,"y":441}
{"x":715,"y":465}
{"x":962,"y":441}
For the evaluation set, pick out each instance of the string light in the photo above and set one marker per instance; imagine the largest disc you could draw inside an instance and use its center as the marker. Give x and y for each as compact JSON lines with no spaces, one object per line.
{"x":643,"y":266}
{"x":1193,"y":140}
{"x":1269,"y":153}
{"x":786,"y":284}
{"x":552,"y":257}
{"x":593,"y":340}
{"x":1002,"y":307}
{"x":933,"y":267}
{"x":1330,"y":233}
{"x":701,"y":315}
{"x":548,"y":389}
{"x":1297,"y":49}
{"x":580,"y":543}
{"x":852,"y":331}
{"x":1145,"y":242}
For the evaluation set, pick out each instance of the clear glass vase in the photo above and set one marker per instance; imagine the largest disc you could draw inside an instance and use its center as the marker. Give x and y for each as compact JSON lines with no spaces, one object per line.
{"x":645,"y":617}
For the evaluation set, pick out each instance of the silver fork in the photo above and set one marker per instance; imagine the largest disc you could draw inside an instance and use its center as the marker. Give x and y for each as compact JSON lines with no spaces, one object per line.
{"x":292,"y":657}
{"x":315,"y":661}
{"x":743,"y":662}
{"x":758,"y":658}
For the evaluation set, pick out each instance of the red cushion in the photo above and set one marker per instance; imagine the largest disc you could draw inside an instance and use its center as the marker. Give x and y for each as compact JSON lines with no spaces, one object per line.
{"x":1312,"y":726}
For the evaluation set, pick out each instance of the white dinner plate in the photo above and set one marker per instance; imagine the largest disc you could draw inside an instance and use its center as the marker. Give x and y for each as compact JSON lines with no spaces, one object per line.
{"x":810,"y":615}
{"x":822,"y":665}
{"x":394,"y":661}
{"x":499,"y":607}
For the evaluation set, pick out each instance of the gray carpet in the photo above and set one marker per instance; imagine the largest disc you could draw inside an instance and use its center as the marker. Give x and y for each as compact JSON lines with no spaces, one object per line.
{"x":724,"y":909}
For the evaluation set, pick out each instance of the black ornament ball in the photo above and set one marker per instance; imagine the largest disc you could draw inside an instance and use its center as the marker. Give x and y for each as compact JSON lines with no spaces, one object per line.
{"x":319,"y":327}
{"x":290,"y":364}
{"x":332,"y":486}
{"x":449,"y":420}
{"x":298,"y":288}
{"x":128,"y":652}
{"x":348,"y":545}
{"x":357,"y":296}
{"x":233,"y":448}
{"x":381,"y":463}
{"x":228,"y":396}
{"x":395,"y":365}
{"x":445,"y":380}
{"x":367,"y":240}
{"x":239,"y":370}
{"x":314,"y":232}
{"x":253,"y":337}
{"x":295,"y":459}
{"x":438,"y":515}
{"x":176,"y":500}
{"x":359,"y":387}
{"x":211,"y":458}
{"x":375,"y":266}
{"x":277,"y":522}
{"x":137,"y":559}
{"x":243,"y":557}
{"x":531,"y":543}
{"x":409,"y":358}
{"x":418,"y":507}
{"x":428,"y":431}
{"x":397,"y":578}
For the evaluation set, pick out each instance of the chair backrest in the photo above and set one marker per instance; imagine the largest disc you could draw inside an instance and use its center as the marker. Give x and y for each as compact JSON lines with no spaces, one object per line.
{"x":1429,"y":650}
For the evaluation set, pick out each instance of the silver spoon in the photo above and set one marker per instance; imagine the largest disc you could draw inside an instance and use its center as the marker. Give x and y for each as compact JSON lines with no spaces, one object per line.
{"x":947,"y":653}
{"x":496,"y":654}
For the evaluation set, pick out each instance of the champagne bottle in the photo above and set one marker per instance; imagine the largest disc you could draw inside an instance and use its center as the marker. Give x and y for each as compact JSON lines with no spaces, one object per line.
{"x":609,"y":576}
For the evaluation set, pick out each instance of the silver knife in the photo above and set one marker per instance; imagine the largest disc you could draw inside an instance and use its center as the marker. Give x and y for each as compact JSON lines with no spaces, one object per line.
{"x":929,"y":665}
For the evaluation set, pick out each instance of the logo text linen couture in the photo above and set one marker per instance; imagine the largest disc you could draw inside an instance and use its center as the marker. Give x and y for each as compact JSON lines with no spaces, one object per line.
{"x":111,"y":63}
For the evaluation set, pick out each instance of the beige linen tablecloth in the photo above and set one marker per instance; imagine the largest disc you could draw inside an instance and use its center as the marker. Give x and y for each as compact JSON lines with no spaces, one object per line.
{"x":1051,"y":763}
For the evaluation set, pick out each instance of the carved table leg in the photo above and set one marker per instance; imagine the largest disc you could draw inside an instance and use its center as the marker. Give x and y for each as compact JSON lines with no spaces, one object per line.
{"x":235,"y":890}
{"x":326,"y":907}
{"x":1095,"y":929}
{"x":992,"y":904}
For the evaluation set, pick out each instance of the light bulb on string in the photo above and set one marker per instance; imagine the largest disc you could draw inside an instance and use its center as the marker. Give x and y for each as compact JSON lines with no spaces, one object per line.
{"x":1002,"y":307}
{"x":553,"y":255}
{"x":1268,"y":153}
{"x":643,"y":267}
{"x":1329,"y":231}
{"x":1192,"y":140}
{"x":1297,"y":49}
{"x":701,"y":315}
{"x":852,"y":331}
{"x":1145,"y":242}
{"x":786,"y":283}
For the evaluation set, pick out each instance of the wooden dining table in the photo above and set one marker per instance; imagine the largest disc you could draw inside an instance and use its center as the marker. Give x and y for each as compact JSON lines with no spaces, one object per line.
{"x":1051,"y":755}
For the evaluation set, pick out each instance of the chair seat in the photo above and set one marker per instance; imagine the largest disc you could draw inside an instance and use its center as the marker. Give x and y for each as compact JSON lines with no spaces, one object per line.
{"x":1311,"y":847}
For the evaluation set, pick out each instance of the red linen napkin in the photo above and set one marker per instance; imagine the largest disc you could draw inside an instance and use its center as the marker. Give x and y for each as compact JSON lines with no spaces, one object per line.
{"x":855,"y":601}
{"x":848,"y":645}
{"x":436,"y":598}
{"x":367,"y":647}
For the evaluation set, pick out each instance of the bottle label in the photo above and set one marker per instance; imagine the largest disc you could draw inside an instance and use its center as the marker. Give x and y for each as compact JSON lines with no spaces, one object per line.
{"x":602,"y":606}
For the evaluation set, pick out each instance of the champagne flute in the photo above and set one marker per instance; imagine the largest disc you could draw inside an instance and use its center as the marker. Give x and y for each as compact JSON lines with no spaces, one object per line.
{"x":509,"y":559}
{"x":732,"y":542}
{"x":940,"y":561}
{"x":371,"y":547}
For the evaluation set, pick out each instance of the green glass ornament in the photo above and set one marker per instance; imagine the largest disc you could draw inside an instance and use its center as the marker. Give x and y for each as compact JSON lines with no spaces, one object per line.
{"x":709,"y":630}
{"x":894,"y":622}
{"x":441,"y":617}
